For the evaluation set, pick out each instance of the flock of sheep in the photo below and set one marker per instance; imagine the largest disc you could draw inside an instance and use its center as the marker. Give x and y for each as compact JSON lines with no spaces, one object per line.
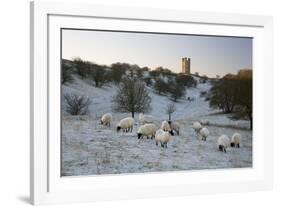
{"x":167,"y":130}
{"x":223,"y":142}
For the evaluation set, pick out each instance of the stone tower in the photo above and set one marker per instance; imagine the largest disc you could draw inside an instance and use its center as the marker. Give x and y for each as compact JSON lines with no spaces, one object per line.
{"x":185,"y":65}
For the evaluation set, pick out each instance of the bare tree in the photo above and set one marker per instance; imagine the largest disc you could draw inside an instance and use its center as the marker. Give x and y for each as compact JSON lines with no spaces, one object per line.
{"x":77,"y":105}
{"x":132,"y":96}
{"x":170,"y":109}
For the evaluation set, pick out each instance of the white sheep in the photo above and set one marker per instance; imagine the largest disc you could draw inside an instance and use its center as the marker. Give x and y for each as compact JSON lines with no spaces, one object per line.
{"x":165,"y":126}
{"x":106,"y":119}
{"x":197,"y":127}
{"x":175,"y":126}
{"x":223,"y":142}
{"x":236,"y":140}
{"x":147,"y":130}
{"x":204,"y":133}
{"x":144,"y":118}
{"x":125,"y":124}
{"x":204,"y":122}
{"x":163,"y":137}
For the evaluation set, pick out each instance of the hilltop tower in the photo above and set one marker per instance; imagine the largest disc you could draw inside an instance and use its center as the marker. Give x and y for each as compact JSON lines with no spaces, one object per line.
{"x":185,"y":65}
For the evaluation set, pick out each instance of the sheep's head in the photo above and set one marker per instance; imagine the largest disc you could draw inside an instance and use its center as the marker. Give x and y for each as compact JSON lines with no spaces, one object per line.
{"x":118,"y":128}
{"x":171,"y":132}
{"x":221,"y":148}
{"x":232,"y":144}
{"x":101,"y":122}
{"x":139,"y":135}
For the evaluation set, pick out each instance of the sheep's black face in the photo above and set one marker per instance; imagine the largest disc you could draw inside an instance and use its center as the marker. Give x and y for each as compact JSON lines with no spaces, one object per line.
{"x":221,"y":148}
{"x":101,"y":122}
{"x":232,"y":144}
{"x":169,"y":122}
{"x":139,"y":135}
{"x":171,"y":132}
{"x":118,"y":128}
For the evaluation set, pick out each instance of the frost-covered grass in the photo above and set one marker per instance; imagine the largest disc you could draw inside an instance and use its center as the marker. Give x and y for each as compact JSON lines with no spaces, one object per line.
{"x":89,"y":148}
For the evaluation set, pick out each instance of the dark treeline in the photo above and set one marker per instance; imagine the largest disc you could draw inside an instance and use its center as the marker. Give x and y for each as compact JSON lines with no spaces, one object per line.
{"x":162,"y":80}
{"x":233,"y":94}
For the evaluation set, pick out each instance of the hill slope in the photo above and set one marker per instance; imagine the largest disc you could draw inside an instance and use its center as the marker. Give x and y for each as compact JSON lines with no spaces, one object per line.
{"x":89,"y":148}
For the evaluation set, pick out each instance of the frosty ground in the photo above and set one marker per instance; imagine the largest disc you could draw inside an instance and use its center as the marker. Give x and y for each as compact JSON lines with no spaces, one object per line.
{"x":89,"y":148}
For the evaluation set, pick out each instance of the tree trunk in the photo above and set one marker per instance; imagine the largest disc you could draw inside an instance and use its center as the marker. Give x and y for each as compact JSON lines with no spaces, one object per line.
{"x":133,"y":114}
{"x":169,"y":117}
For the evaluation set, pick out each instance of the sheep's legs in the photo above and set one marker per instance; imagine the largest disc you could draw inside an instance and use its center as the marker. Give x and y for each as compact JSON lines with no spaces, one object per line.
{"x":164,"y":145}
{"x":238,"y":145}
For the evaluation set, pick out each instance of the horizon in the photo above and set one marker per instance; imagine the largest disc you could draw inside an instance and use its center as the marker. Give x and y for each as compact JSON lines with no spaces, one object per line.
{"x":210,"y":55}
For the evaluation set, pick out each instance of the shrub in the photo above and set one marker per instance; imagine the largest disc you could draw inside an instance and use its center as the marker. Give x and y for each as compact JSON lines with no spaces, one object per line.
{"x":154,"y":74}
{"x":82,"y":67}
{"x":77,"y":105}
{"x":66,"y":74}
{"x":186,"y":80}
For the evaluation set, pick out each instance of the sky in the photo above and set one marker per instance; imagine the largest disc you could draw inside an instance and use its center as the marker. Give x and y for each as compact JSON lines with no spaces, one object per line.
{"x":210,"y":55}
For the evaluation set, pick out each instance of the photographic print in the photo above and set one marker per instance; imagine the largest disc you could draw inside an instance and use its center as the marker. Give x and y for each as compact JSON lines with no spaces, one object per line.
{"x":137,"y":102}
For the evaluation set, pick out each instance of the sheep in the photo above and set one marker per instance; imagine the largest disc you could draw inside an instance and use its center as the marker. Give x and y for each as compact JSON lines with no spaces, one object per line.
{"x":163,"y":137}
{"x":175,"y":126}
{"x":236,"y":140}
{"x":165,"y":126}
{"x":145,"y":118}
{"x":223,"y":142}
{"x":106,"y":119}
{"x":204,"y":133}
{"x":147,"y":130}
{"x":204,"y":122}
{"x":125,"y":124}
{"x":197,"y":127}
